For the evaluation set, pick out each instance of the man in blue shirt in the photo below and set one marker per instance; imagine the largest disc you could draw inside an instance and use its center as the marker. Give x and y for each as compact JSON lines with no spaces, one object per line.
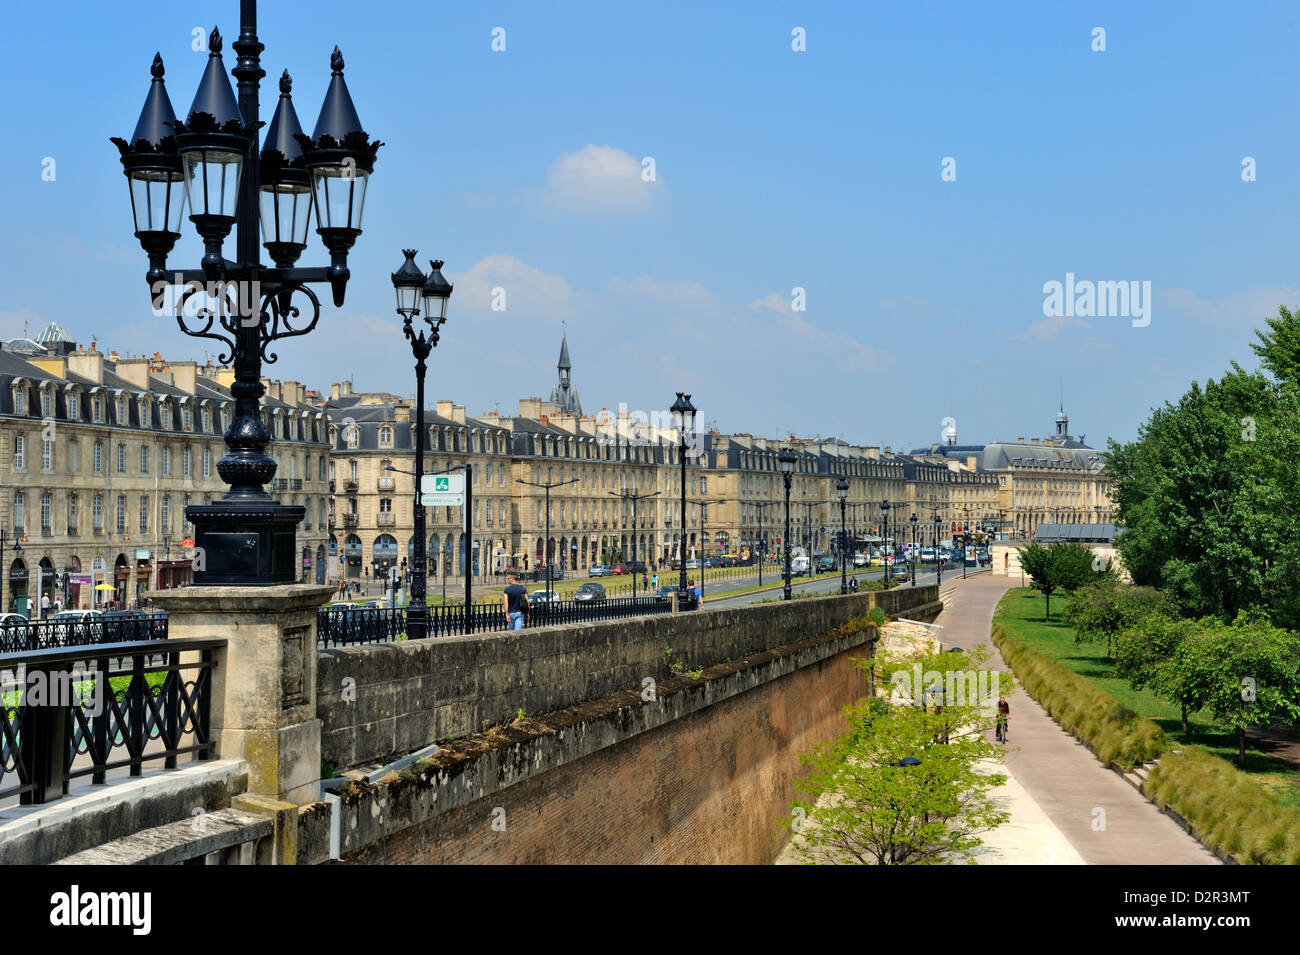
{"x":515,"y":603}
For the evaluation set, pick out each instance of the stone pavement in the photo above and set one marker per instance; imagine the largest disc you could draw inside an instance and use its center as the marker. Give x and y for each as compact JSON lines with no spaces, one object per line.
{"x":1055,"y":777}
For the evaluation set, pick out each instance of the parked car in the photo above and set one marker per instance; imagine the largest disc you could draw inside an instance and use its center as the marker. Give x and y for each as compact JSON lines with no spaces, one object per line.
{"x":543,"y":597}
{"x":122,"y":625}
{"x":590,"y":593}
{"x":860,"y":560}
{"x":900,"y":571}
{"x":12,"y":620}
{"x":598,"y":570}
{"x":826,"y":562}
{"x":635,"y":567}
{"x":927,"y":555}
{"x":693,"y":563}
{"x":799,"y":565}
{"x":539,"y":573}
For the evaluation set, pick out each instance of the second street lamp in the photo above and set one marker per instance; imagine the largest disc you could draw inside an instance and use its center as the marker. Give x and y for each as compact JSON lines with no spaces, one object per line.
{"x":884,"y":531}
{"x":787,"y":461}
{"x":913,"y":521}
{"x":842,"y":490}
{"x":938,"y":554}
{"x":684,"y":420}
{"x":413,"y":287}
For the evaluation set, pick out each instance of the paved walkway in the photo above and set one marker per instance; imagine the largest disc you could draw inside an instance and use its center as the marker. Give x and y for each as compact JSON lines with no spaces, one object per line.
{"x":1057,"y":778}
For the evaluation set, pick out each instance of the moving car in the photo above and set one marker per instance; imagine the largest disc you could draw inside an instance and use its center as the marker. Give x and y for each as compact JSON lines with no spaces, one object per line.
{"x":598,"y":570}
{"x":860,"y":560}
{"x":826,"y":562}
{"x":693,"y":564}
{"x":590,"y":592}
{"x":543,"y":597}
{"x":798,"y":565}
{"x":900,"y":571}
{"x":927,"y":555}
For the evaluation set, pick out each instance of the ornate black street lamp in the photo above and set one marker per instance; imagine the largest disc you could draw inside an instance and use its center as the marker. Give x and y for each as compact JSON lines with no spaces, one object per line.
{"x":842,"y":490}
{"x":684,"y":421}
{"x":413,"y":287}
{"x":633,"y":496}
{"x":4,"y":564}
{"x":246,"y":538}
{"x":884,"y":530}
{"x":913,"y":521}
{"x":546,"y":546}
{"x":938,"y":554}
{"x":787,"y":460}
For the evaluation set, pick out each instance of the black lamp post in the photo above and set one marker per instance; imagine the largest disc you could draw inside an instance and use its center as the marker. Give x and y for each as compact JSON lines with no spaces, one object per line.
{"x":938,"y":555}
{"x":787,"y":461}
{"x":684,"y":420}
{"x":884,"y":531}
{"x":413,"y":287}
{"x":761,"y":544}
{"x":632,"y":496}
{"x":246,"y":538}
{"x":913,"y":520}
{"x":842,"y":490}
{"x":546,"y":545}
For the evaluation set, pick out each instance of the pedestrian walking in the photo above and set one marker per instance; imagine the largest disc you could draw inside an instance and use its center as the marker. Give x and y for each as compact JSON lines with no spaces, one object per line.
{"x":654,"y":581}
{"x":1004,"y":713}
{"x":45,"y":606}
{"x":515,"y":603}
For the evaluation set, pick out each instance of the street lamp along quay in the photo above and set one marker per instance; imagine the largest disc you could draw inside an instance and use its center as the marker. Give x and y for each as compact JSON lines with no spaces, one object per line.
{"x":413,"y":288}
{"x":884,"y":529}
{"x":787,"y":460}
{"x":842,"y":491}
{"x":684,"y":421}
{"x":246,"y":537}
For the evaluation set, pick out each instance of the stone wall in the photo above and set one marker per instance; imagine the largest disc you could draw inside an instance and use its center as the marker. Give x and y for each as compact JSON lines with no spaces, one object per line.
{"x":381,"y":701}
{"x":700,"y":774}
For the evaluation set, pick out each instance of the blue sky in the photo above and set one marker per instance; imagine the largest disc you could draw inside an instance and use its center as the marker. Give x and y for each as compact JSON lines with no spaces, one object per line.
{"x":775,"y":170}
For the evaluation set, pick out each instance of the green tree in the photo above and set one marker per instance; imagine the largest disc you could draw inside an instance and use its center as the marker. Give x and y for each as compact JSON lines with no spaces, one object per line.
{"x":864,"y":808}
{"x":1101,"y":608}
{"x":1053,"y":567}
{"x":1249,"y":672}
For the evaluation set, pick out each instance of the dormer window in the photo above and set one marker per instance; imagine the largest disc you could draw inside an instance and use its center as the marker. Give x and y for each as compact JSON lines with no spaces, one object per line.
{"x":386,"y":437}
{"x":97,"y":408}
{"x":165,"y":413}
{"x":207,"y":420}
{"x":144,"y":412}
{"x":47,"y":403}
{"x":74,"y":405}
{"x":352,"y":435}
{"x":20,"y":399}
{"x":121,"y":412}
{"x":187,"y":419}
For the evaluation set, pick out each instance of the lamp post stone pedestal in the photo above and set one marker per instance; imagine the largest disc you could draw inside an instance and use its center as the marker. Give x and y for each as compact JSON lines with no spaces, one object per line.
{"x":264,"y":681}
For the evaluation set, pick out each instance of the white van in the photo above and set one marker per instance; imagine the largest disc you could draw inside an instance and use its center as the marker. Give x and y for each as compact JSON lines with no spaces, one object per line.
{"x":799,"y":565}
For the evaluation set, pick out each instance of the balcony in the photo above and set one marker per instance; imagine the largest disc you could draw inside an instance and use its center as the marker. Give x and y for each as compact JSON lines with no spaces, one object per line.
{"x":350,"y":487}
{"x":331,"y":485}
{"x":295,"y":484}
{"x":72,"y":530}
{"x":386,"y":519}
{"x":386,"y":484}
{"x":280,"y":484}
{"x":47,"y":531}
{"x":349,"y":520}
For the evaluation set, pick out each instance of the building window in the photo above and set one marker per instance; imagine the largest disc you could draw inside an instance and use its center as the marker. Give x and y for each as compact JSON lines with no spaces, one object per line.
{"x":121,"y":458}
{"x":121,"y":514}
{"x":47,"y":513}
{"x":74,"y":405}
{"x":503,"y":513}
{"x":165,"y":460}
{"x":20,"y":452}
{"x":207,"y":462}
{"x":73,"y":445}
{"x":165,"y":412}
{"x":144,"y":412}
{"x":47,"y":455}
{"x":20,"y":400}
{"x":144,"y":514}
{"x":187,"y":423}
{"x":166,"y":513}
{"x":207,"y":419}
{"x":97,"y":408}
{"x":99,"y":457}
{"x":72,"y":513}
{"x":47,"y":404}
{"x":20,"y":515}
{"x":144,"y":459}
{"x":352,"y":471}
{"x":385,"y":505}
{"x":97,"y":513}
{"x":185,"y":462}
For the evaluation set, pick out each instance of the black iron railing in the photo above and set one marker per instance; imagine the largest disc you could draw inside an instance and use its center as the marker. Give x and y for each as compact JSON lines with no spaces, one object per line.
{"x":87,"y":630}
{"x":337,"y":628}
{"x":69,"y":712}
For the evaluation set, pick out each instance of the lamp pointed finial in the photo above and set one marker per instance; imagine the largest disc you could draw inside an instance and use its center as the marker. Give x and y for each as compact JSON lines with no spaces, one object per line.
{"x":214,"y":42}
{"x":336,"y":61}
{"x":286,"y":83}
{"x":157,"y":69}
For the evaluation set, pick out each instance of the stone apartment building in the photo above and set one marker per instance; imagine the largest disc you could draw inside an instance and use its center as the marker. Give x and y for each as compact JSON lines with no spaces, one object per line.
{"x":100,"y":454}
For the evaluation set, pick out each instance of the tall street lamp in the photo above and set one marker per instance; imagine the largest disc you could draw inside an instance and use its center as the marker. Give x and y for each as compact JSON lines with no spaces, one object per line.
{"x":546,"y":546}
{"x":633,"y":497}
{"x":938,"y":555}
{"x":884,"y":530}
{"x":246,"y":537}
{"x":704,"y":515}
{"x":913,"y":521}
{"x":761,"y":544}
{"x":413,"y":287}
{"x":842,"y":491}
{"x":787,"y":460}
{"x":684,"y":420}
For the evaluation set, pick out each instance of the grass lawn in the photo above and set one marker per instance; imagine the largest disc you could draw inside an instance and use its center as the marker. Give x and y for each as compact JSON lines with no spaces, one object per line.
{"x":1021,"y":612}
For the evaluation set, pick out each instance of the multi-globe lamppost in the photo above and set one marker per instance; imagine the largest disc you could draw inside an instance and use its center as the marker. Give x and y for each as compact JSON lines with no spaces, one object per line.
{"x":684,"y":420}
{"x":938,"y":556}
{"x":412,"y":287}
{"x":246,"y":537}
{"x":842,"y":491}
{"x":787,"y":460}
{"x":915,"y":554}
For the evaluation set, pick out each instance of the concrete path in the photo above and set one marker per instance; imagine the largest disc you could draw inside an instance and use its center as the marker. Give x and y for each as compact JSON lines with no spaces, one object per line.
{"x":1097,"y":813}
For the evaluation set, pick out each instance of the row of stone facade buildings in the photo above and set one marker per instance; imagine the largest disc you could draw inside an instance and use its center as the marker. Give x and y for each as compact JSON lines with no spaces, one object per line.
{"x":100,"y":454}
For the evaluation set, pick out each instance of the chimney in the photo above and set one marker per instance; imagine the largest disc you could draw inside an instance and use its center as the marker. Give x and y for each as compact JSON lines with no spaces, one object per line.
{"x":87,"y":364}
{"x":970,"y":462}
{"x":528,"y":407}
{"x":334,"y":391}
{"x":347,"y":388}
{"x":444,"y":409}
{"x":458,"y":414}
{"x":1021,"y":440}
{"x":294,"y":392}
{"x":185,"y":376}
{"x":402,"y":414}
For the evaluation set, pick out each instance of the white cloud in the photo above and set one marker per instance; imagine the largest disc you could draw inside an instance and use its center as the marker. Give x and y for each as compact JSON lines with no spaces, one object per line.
{"x":597,"y":180}
{"x":1247,"y":308}
{"x":1048,"y":329}
{"x":529,"y":291}
{"x":676,"y":293}
{"x":773,"y":301}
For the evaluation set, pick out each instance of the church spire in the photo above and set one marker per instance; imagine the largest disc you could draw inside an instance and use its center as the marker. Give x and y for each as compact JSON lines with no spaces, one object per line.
{"x":564,"y":364}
